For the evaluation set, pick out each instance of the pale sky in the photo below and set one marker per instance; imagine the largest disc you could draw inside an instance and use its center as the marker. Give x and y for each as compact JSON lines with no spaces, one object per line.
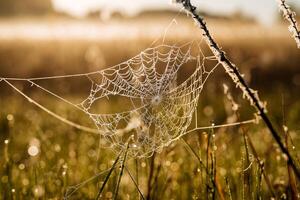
{"x":263,"y":10}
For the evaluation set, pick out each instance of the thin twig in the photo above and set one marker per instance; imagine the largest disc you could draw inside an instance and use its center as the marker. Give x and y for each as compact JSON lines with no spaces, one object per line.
{"x":290,"y":16}
{"x":238,"y":79}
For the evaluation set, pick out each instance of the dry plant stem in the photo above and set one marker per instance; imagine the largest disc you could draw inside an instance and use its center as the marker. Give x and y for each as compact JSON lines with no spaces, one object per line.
{"x":150,"y":177}
{"x":213,"y":163}
{"x":228,"y":188}
{"x":290,"y":16}
{"x":292,"y":181}
{"x":154,"y":193}
{"x":135,"y":183}
{"x":248,"y":164}
{"x":121,"y":172}
{"x":7,"y":172}
{"x":208,"y":178}
{"x":219,"y":188}
{"x":238,"y":79}
{"x":107,"y":177}
{"x":268,"y":182}
{"x":215,"y":182}
{"x":137,"y":172}
{"x":259,"y":182}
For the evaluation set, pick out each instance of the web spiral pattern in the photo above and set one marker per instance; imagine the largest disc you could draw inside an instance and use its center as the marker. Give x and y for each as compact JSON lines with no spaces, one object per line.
{"x":162,"y":107}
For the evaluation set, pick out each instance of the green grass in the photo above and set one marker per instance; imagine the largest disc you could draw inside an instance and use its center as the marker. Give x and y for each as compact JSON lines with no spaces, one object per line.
{"x":197,"y":168}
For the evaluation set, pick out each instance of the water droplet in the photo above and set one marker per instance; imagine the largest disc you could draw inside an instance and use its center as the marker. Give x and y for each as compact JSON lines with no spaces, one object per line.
{"x":33,"y":150}
{"x":285,"y":157}
{"x":21,"y":166}
{"x":57,"y":148}
{"x":10,"y":117}
{"x":38,"y":191}
{"x":25,"y":182}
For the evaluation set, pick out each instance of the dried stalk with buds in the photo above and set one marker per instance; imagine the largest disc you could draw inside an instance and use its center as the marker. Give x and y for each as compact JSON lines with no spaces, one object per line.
{"x":290,"y":16}
{"x":238,"y":79}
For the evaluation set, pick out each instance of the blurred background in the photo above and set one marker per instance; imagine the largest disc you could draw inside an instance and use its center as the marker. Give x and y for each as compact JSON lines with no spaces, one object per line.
{"x":59,"y":37}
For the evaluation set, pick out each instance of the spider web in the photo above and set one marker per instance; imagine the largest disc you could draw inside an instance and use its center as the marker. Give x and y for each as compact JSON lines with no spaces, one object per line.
{"x":160,"y":104}
{"x":162,"y":108}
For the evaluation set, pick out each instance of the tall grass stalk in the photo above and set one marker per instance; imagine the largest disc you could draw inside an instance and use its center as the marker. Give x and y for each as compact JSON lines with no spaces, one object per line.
{"x":228,"y":188}
{"x":213,"y":163}
{"x":137,"y":172}
{"x":259,"y":175}
{"x":209,"y":174}
{"x":155,"y":181}
{"x":261,"y":165}
{"x":290,"y":16}
{"x":7,"y":171}
{"x":292,"y":181}
{"x":191,"y":149}
{"x":150,"y":177}
{"x":135,"y":183}
{"x":238,"y":79}
{"x":213,"y":179}
{"x":121,"y":173}
{"x":247,"y":168}
{"x":107,"y":177}
{"x":242,"y":191}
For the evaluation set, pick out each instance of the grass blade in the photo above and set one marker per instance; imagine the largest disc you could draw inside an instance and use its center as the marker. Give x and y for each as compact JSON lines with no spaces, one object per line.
{"x":292,"y":181}
{"x":150,"y":177}
{"x":228,"y":188}
{"x":208,"y":174}
{"x":259,"y":182}
{"x":261,"y":164}
{"x":107,"y":177}
{"x":121,"y":172}
{"x":195,"y":154}
{"x":135,"y":183}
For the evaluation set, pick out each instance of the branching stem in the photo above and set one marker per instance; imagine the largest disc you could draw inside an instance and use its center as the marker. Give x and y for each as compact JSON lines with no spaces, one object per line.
{"x":238,"y":79}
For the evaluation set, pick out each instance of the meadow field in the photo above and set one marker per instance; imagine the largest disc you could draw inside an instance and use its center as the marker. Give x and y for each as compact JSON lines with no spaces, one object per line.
{"x":44,"y":158}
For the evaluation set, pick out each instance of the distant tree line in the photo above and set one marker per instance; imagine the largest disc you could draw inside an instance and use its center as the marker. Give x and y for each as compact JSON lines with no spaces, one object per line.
{"x":25,"y":7}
